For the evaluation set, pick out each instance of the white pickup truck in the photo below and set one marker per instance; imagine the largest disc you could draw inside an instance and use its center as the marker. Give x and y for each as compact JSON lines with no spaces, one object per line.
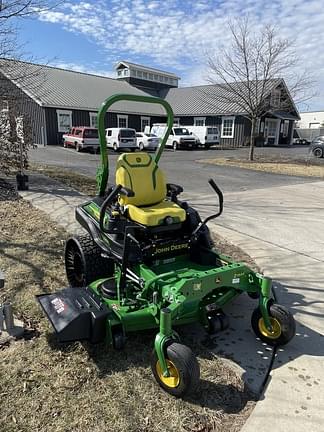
{"x":179,"y":137}
{"x":208,"y":135}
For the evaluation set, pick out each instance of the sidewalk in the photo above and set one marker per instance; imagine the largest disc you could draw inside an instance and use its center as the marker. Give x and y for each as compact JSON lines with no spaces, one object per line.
{"x":57,"y":200}
{"x":282,"y":229}
{"x":293,"y":400}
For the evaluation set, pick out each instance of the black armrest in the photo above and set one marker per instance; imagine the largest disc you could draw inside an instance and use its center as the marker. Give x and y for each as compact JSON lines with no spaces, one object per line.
{"x":126,"y":191}
{"x":173,"y":189}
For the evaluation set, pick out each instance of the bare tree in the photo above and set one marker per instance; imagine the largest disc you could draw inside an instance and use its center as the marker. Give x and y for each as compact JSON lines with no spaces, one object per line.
{"x":15,"y":129}
{"x":249,"y":69}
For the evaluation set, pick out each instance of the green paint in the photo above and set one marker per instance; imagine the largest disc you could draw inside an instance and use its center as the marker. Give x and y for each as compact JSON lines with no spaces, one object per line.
{"x":162,"y":337}
{"x":266,"y":284}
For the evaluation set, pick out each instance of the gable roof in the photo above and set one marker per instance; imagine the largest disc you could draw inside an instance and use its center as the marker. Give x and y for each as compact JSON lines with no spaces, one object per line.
{"x":60,"y":88}
{"x":206,"y":99}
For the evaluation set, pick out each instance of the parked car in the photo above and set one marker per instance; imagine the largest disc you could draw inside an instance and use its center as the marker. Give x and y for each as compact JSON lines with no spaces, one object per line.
{"x":207,"y":135}
{"x":179,"y":136}
{"x":82,"y":137}
{"x":147,"y":141}
{"x":121,"y":138}
{"x":317,"y":147}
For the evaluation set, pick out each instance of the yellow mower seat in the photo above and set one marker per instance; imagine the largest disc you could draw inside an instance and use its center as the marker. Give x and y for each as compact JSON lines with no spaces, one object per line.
{"x":139,"y":172}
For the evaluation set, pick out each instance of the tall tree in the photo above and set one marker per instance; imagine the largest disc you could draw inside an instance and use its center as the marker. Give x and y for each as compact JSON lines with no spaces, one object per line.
{"x":246,"y":70}
{"x":15,"y":128}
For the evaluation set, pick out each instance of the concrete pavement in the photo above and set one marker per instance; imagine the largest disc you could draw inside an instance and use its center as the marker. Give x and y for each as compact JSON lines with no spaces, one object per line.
{"x":282,"y":229}
{"x":57,"y":200}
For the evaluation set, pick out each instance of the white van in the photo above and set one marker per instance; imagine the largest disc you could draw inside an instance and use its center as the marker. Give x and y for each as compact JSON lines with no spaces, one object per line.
{"x":207,"y":135}
{"x":179,"y":136}
{"x":121,"y":138}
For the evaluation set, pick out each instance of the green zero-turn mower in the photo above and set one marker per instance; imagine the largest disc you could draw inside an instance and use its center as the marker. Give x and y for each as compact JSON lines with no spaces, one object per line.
{"x":147,"y":261}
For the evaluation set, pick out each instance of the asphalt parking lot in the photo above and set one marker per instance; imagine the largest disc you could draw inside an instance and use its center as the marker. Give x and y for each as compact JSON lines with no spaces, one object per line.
{"x":181,"y":167}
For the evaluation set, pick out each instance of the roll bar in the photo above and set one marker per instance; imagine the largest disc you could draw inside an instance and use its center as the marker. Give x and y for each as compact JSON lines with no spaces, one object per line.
{"x":103,"y":169}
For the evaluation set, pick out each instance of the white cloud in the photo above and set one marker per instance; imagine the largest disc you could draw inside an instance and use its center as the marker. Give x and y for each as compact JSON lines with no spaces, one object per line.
{"x":92,"y":69}
{"x":173,"y":34}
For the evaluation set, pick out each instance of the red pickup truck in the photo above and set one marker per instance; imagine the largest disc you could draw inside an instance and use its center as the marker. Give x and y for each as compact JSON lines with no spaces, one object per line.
{"x":82,"y":137}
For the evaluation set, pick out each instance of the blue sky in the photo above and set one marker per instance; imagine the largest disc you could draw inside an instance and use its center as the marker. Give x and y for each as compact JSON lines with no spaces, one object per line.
{"x":174,"y":35}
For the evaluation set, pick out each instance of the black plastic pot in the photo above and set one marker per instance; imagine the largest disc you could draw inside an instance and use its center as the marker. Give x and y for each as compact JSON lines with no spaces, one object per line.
{"x":22,"y":182}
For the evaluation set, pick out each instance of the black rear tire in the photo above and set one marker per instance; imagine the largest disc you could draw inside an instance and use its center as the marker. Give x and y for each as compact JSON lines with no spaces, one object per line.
{"x":318,"y":152}
{"x":282,"y":321}
{"x":185,"y":366}
{"x":84,"y":263}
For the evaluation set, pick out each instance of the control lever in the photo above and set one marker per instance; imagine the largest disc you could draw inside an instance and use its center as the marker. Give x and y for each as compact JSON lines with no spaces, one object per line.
{"x":119,"y":190}
{"x":220,"y":204}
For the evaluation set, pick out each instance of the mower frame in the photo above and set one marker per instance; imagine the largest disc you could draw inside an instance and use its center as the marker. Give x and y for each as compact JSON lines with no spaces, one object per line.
{"x":181,"y":282}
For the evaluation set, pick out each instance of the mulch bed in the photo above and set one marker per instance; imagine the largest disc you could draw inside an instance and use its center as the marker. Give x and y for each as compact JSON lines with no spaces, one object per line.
{"x":7,"y":191}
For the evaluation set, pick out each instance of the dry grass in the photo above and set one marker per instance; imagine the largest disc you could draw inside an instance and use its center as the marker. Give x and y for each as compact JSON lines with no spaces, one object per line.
{"x":303,"y":168}
{"x":50,"y":387}
{"x":80,"y":182}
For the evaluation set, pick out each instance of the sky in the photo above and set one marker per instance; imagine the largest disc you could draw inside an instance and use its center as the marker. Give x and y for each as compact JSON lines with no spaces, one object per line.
{"x":173,"y":35}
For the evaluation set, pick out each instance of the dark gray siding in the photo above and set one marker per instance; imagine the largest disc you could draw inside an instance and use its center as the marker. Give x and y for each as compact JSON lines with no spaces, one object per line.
{"x":79,"y":118}
{"x":242,"y":128}
{"x":53,"y":136}
{"x":25,"y":106}
{"x":82,"y":118}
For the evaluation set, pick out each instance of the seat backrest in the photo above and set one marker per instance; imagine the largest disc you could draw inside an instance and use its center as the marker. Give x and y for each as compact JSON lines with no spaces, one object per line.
{"x":139,"y":172}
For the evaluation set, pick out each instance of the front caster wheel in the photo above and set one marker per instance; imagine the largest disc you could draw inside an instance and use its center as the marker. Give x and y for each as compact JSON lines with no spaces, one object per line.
{"x":283,"y":325}
{"x":183,"y":368}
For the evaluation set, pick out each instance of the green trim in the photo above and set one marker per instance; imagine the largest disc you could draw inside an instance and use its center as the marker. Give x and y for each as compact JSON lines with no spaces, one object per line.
{"x":162,"y":337}
{"x":154,"y":176}
{"x":266,"y":285}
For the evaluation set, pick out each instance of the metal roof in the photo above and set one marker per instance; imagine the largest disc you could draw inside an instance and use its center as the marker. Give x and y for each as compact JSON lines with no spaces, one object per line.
{"x":209,"y":99}
{"x":60,"y":88}
{"x":149,"y":69}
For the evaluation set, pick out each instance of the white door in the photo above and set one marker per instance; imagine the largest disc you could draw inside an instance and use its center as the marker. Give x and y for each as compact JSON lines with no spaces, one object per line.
{"x":271,"y":131}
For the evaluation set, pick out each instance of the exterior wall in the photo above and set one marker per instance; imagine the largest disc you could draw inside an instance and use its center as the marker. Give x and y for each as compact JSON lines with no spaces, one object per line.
{"x":82,"y":118}
{"x":242,"y":128}
{"x":25,"y":107}
{"x":312,"y":120}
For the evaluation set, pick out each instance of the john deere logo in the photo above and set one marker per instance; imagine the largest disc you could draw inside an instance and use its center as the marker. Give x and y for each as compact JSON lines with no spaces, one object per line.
{"x":138,"y":159}
{"x":171,"y":248}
